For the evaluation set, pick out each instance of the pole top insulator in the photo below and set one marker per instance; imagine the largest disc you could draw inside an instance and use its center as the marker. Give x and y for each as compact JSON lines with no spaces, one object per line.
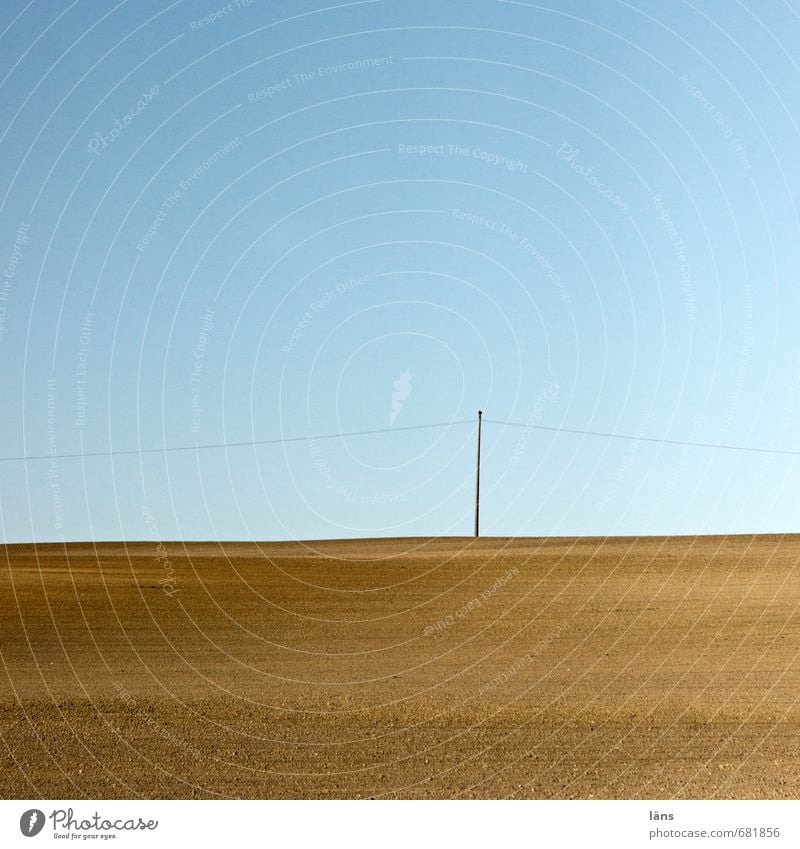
{"x":480,"y":412}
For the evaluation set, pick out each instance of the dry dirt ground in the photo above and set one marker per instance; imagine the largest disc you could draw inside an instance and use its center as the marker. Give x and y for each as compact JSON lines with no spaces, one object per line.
{"x":436,"y":668}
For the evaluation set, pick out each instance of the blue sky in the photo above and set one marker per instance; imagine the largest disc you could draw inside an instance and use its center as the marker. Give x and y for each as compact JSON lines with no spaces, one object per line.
{"x":242,"y":222}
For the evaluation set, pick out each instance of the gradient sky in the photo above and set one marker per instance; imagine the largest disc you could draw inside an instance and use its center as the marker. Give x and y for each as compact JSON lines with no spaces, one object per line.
{"x":246,"y":222}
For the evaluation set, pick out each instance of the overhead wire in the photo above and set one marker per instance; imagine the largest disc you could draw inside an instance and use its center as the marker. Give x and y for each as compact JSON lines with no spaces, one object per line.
{"x":168,"y":449}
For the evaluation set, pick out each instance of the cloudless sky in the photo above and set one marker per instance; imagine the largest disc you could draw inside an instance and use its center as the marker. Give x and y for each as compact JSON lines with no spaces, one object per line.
{"x":225,"y":224}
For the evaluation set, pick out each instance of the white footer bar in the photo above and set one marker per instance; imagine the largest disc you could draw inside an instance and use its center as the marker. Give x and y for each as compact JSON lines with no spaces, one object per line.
{"x":410,"y":824}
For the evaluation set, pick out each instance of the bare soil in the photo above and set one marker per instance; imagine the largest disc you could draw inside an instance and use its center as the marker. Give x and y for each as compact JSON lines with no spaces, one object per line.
{"x":426,"y":668}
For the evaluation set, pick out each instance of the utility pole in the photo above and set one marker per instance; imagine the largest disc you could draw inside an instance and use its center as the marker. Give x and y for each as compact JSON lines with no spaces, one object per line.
{"x":478,"y":478}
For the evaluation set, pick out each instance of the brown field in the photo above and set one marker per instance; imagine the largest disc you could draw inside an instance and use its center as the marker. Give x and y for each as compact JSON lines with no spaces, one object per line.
{"x":436,"y":668}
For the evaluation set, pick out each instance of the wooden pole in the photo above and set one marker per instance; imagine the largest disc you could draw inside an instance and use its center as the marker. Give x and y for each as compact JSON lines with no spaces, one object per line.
{"x":478,"y":479}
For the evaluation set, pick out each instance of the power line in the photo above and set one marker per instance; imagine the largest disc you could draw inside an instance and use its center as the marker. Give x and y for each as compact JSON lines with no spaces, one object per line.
{"x":634,"y":438}
{"x":216,"y":445}
{"x":356,"y":433}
